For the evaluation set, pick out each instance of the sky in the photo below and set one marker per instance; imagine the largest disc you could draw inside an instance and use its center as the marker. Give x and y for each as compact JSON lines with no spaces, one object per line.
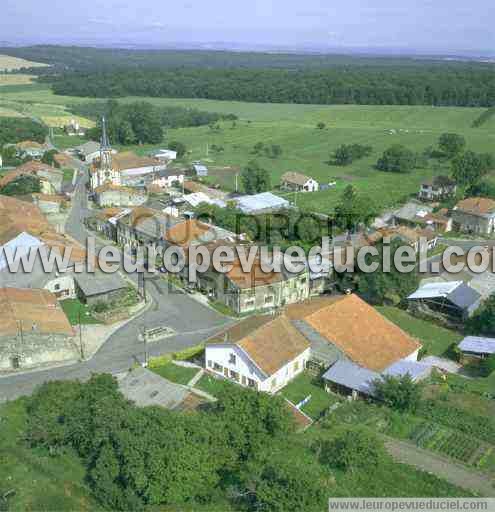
{"x":417,"y":25}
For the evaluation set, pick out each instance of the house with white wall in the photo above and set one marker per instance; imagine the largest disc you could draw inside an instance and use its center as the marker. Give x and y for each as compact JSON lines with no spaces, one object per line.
{"x":263,"y":353}
{"x":297,"y":182}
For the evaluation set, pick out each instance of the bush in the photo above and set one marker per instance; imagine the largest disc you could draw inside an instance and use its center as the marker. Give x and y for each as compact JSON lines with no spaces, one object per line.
{"x":353,"y":448}
{"x":398,"y":159}
{"x":399,"y":393}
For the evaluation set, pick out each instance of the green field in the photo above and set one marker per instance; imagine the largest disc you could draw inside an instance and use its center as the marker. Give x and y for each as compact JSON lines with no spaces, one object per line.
{"x":435,"y":339}
{"x":305,"y":148}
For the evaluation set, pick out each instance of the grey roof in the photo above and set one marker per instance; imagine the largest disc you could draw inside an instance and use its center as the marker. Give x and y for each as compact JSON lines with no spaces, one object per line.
{"x":464,"y":296}
{"x":352,"y":376}
{"x":416,"y":370}
{"x":166,"y":173}
{"x":99,"y":283}
{"x":457,"y":292}
{"x":478,"y":345}
{"x":321,"y":349}
{"x":146,"y":388}
{"x":413,"y":211}
{"x":88,"y":147}
{"x":260,"y":202}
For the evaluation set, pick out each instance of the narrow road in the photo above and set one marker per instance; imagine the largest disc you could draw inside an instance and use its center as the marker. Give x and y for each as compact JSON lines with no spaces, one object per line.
{"x":192,"y":322}
{"x":442,"y":467}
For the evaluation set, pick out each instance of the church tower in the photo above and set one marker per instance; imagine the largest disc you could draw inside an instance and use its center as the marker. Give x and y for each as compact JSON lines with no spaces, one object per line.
{"x":104,"y":171}
{"x":105,"y":150}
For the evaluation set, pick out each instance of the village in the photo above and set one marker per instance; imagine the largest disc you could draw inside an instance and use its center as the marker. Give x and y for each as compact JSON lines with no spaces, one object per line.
{"x":311,"y":338}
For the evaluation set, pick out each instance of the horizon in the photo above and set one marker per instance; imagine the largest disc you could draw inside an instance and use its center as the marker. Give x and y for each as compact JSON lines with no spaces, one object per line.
{"x":419,"y":28}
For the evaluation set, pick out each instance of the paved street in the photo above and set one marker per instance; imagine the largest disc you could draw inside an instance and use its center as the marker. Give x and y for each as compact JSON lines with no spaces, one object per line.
{"x":193,"y":322}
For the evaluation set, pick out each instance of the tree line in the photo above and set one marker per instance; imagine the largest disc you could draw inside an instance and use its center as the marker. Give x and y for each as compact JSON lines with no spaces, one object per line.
{"x":470,"y":85}
{"x":170,"y":117}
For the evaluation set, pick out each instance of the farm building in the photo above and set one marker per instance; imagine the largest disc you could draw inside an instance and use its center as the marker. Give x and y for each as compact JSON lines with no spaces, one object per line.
{"x":453,"y":301}
{"x":99,"y":287}
{"x":474,"y":348}
{"x":296,"y":182}
{"x":265,"y":202}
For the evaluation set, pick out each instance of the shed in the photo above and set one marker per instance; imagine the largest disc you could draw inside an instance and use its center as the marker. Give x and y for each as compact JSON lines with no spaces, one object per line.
{"x":261,"y":203}
{"x":99,"y":287}
{"x":200,"y":170}
{"x":475,"y":348}
{"x":350,"y":378}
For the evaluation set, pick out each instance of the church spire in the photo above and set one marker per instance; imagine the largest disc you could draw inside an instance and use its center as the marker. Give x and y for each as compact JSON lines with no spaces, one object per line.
{"x":105,"y":149}
{"x":105,"y":144}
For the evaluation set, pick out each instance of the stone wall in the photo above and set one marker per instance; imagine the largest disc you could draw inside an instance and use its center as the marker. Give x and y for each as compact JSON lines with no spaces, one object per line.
{"x":32,"y":350}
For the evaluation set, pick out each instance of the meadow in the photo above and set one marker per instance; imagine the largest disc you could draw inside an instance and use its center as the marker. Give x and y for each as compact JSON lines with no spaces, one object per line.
{"x":8,"y":63}
{"x":306,"y":148}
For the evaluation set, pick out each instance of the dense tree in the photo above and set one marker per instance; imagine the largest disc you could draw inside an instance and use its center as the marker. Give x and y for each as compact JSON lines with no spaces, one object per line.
{"x":179,"y":147}
{"x":353,"y":448}
{"x":355,"y":82}
{"x":483,"y":321}
{"x":48,"y":157}
{"x":399,"y":393}
{"x":24,"y":184}
{"x":18,"y":129}
{"x":354,"y":209}
{"x":282,"y":478}
{"x":451,"y":144}
{"x":386,"y":286}
{"x":397,"y":159}
{"x":348,"y":153}
{"x":321,"y":126}
{"x":469,"y":168}
{"x":255,"y":179}
{"x":133,"y":123}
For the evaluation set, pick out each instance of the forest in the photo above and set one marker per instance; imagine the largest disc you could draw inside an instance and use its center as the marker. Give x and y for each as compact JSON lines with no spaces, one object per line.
{"x":468,"y":85}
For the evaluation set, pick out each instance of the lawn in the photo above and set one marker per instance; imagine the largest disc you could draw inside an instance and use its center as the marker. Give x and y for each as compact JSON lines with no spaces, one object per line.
{"x":62,"y":141}
{"x":305,"y":385}
{"x":175,"y":373}
{"x":37,"y":480}
{"x":68,"y":174}
{"x":212,"y":385}
{"x":434,"y":338}
{"x":305,"y":148}
{"x":77,"y":312}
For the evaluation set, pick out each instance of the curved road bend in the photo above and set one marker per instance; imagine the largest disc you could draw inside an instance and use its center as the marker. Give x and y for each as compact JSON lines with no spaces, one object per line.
{"x":193,"y":322}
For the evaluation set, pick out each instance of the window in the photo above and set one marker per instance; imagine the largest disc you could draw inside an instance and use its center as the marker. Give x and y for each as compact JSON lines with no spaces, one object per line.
{"x":234,"y":375}
{"x":217,"y":367}
{"x":244,"y":380}
{"x":252,"y":383}
{"x":268,"y":299}
{"x":210,"y":364}
{"x":232,"y":359}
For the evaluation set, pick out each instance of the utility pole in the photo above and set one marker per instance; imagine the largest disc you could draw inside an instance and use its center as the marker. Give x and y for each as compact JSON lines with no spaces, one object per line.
{"x":145,"y":343}
{"x":80,"y":335}
{"x":237,"y":182}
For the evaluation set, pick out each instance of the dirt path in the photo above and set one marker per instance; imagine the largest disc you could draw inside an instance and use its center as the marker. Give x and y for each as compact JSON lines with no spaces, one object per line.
{"x":440,"y":466}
